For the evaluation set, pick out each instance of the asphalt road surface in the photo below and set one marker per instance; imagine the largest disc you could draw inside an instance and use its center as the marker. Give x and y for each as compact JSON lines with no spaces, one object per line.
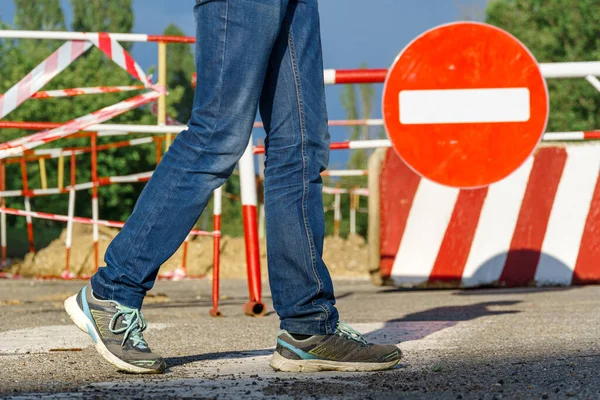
{"x":475,"y":344}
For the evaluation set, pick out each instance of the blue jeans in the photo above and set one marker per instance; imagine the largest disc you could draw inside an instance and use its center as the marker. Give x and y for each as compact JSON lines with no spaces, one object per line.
{"x":249,"y":54}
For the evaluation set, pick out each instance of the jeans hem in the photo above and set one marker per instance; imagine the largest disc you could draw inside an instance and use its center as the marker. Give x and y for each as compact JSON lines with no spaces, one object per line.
{"x":108,"y":293}
{"x":312,"y":326}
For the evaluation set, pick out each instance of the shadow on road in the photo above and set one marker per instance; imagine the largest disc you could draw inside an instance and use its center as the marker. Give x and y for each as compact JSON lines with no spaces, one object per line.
{"x":421,"y":324}
{"x":225,"y":355}
{"x":410,"y":327}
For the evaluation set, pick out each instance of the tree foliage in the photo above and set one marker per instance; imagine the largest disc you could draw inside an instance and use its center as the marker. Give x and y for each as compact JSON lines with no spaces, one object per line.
{"x":558,"y":31}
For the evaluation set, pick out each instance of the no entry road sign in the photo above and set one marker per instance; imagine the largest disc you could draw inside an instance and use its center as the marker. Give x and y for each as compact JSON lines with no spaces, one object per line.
{"x":465,"y":104}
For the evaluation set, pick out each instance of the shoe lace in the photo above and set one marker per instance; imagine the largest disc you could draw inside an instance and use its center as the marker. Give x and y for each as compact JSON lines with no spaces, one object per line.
{"x":133,"y":323}
{"x":347,"y":331}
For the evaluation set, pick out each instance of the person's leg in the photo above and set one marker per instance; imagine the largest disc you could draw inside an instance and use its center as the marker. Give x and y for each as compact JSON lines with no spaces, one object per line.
{"x":297,"y":151}
{"x":234,"y":40}
{"x":234,"y":43}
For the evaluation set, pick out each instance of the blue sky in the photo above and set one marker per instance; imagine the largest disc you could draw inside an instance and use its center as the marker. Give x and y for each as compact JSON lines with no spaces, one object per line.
{"x":353,"y":31}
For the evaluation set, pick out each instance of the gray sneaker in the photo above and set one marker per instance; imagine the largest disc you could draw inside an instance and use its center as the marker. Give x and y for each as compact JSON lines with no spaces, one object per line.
{"x":346,"y":350}
{"x":116,"y":331}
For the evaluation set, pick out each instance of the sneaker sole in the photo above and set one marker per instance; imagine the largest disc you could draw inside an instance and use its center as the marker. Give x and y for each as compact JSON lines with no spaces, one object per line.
{"x":87,"y":326}
{"x":280,"y":363}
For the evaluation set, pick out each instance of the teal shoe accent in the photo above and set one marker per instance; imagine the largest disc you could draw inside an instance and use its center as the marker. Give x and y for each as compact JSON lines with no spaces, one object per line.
{"x":304,"y":355}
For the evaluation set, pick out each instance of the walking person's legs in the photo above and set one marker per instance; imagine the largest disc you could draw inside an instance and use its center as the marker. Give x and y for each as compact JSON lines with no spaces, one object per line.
{"x":239,"y":42}
{"x":297,"y":151}
{"x":234,"y":42}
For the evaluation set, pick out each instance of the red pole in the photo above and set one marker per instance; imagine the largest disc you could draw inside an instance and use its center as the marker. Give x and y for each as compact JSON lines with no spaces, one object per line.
{"x":216,"y":252}
{"x":254,"y":307}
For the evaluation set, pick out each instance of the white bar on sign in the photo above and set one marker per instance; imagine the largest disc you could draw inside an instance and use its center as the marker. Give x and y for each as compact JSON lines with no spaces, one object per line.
{"x":458,"y":106}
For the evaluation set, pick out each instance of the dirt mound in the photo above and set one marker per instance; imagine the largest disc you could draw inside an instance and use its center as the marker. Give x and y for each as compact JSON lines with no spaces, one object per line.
{"x":344,"y":257}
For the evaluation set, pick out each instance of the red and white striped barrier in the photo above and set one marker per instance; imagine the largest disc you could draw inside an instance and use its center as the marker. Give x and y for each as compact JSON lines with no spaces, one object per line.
{"x":67,"y":151}
{"x":337,"y":209}
{"x":122,"y":129}
{"x":540,"y":225}
{"x":354,"y":144}
{"x":345,"y":172}
{"x":18,"y":146}
{"x":85,"y":90}
{"x":249,"y":211}
{"x":85,"y":221}
{"x":217,"y":205}
{"x":119,"y":37}
{"x":111,"y":47}
{"x":141,"y":177}
{"x":42,"y":74}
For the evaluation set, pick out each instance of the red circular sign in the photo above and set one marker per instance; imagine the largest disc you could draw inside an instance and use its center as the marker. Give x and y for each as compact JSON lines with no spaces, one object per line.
{"x":465,"y":104}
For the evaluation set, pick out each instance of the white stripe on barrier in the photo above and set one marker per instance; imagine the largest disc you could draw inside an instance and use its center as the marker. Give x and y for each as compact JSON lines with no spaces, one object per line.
{"x":593,"y":81}
{"x":352,"y":172}
{"x":570,"y":69}
{"x":130,"y":178}
{"x":330,"y":190}
{"x":2,"y":229}
{"x":83,"y":186}
{"x":66,"y":55}
{"x":41,"y":75}
{"x":370,"y":144}
{"x":247,"y":177}
{"x":337,"y":215}
{"x":431,"y":211}
{"x":46,"y":192}
{"x":28,"y":209}
{"x":95,"y":219}
{"x":569,"y":214}
{"x":497,"y":222}
{"x":70,"y":215}
{"x":218,"y":200}
{"x":329,"y":76}
{"x":11,"y":193}
{"x":559,"y":136}
{"x":135,"y":142}
{"x":60,"y":35}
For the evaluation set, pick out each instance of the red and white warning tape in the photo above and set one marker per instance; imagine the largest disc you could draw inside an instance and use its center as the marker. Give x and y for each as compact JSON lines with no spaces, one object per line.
{"x":123,"y":129}
{"x":345,"y":172}
{"x":42,"y":74}
{"x":85,"y":90}
{"x":67,"y":151}
{"x":355,"y":144}
{"x":86,"y":221}
{"x":141,"y":177}
{"x":109,"y":46}
{"x":358,"y":191}
{"x":18,"y":146}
